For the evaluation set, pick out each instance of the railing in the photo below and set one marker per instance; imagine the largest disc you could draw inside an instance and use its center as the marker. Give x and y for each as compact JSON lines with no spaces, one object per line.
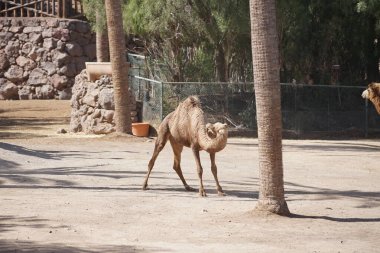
{"x":42,"y":8}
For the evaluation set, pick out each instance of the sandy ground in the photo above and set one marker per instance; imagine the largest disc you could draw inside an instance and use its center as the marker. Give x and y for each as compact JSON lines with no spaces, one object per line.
{"x":76,"y":193}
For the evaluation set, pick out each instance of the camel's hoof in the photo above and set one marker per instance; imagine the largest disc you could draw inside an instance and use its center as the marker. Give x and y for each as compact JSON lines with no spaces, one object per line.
{"x":144,"y":188}
{"x":202,"y":193}
{"x":190,"y":189}
{"x":221,"y":193}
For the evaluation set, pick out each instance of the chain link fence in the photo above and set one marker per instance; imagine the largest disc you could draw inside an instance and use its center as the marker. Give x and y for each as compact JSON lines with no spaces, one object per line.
{"x":308,"y":111}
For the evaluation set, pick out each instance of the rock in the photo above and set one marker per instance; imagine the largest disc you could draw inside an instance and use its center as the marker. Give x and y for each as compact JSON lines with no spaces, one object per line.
{"x":14,"y":74}
{"x":61,"y":131}
{"x":47,"y":92}
{"x":61,"y":34}
{"x":4,"y":63}
{"x":82,"y":27}
{"x":61,"y":45}
{"x":47,"y":33}
{"x":51,"y":22}
{"x":26,"y":63}
{"x":49,"y":43}
{"x":34,"y":29}
{"x":90,"y":99}
{"x":49,"y":67}
{"x":68,"y":70}
{"x":74,"y":49}
{"x":37,"y":77}
{"x":16,"y":29}
{"x":35,"y":38}
{"x":106,"y":99}
{"x":22,"y":37}
{"x":107,"y":115}
{"x":102,"y":129}
{"x":27,"y":48}
{"x":8,"y":90}
{"x":25,"y":93}
{"x":65,"y":94}
{"x":60,"y":58}
{"x":12,"y":48}
{"x":5,"y":37}
{"x":59,"y":82}
{"x":90,"y":51}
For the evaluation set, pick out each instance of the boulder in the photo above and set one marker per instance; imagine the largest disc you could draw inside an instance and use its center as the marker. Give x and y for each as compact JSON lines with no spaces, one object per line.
{"x":25,"y":93}
{"x":49,"y":67}
{"x":59,"y":82}
{"x":74,"y":49}
{"x":47,"y":92}
{"x":14,"y":74}
{"x":26,"y":63}
{"x":8,"y":90}
{"x":4,"y":63}
{"x":37,"y":77}
{"x":49,"y":43}
{"x":106,"y":99}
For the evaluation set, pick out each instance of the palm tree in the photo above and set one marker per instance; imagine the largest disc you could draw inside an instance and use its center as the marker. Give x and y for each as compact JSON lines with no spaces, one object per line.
{"x":119,"y":64}
{"x":102,"y":50}
{"x":265,"y":57}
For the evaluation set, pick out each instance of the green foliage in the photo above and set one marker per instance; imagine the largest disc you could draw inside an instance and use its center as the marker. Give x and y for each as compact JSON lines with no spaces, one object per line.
{"x":91,"y":8}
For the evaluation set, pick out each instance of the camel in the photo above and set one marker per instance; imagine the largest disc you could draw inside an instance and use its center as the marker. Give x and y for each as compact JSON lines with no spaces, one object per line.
{"x":373,"y":94}
{"x":185,"y":126}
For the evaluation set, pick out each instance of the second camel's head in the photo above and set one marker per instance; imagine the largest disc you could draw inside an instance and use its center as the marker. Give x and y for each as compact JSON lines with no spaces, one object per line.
{"x":216,"y":129}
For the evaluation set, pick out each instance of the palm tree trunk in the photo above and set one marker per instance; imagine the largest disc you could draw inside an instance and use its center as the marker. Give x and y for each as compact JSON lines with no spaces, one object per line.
{"x":102,"y":49}
{"x":119,"y":64}
{"x":268,"y":103}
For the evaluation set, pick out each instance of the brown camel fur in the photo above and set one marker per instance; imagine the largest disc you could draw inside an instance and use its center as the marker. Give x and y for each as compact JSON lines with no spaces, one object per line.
{"x":186,"y":127}
{"x":373,"y":94}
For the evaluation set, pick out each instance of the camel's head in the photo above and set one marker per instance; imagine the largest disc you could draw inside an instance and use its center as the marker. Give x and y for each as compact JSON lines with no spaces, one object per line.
{"x":372,"y":90}
{"x":213,"y":130}
{"x":373,"y":94}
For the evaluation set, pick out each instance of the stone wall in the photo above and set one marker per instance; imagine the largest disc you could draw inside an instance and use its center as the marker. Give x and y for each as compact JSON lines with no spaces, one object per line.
{"x":92,"y":105}
{"x":40,"y":57}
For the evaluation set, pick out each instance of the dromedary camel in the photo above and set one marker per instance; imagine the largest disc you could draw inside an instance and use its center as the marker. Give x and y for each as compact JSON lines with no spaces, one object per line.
{"x":186,"y":127}
{"x":373,"y":94}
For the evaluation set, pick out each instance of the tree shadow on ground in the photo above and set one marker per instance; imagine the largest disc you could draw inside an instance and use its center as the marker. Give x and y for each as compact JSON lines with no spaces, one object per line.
{"x":17,"y":246}
{"x":323,"y":217}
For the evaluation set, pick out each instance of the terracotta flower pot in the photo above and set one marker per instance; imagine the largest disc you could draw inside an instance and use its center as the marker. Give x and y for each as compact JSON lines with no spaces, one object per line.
{"x":140,"y":129}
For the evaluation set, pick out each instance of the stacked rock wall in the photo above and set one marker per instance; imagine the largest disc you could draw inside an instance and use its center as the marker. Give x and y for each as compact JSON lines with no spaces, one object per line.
{"x":40,"y":57}
{"x":92,"y":105}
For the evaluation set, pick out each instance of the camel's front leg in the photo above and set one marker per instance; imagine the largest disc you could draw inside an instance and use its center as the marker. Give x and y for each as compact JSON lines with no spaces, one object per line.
{"x":214,"y":170}
{"x":159,"y":145}
{"x":200,"y":171}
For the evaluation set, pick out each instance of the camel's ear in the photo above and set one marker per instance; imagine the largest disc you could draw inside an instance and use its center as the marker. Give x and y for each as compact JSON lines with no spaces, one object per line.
{"x":225,"y":125}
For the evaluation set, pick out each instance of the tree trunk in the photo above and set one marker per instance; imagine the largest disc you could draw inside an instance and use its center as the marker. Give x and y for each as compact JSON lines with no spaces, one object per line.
{"x":102,"y":49}
{"x":268,"y":105}
{"x":116,"y":37}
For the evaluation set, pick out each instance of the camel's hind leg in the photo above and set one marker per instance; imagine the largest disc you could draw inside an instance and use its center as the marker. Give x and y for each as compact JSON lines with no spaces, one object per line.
{"x":177,"y":150}
{"x":159,"y":145}
{"x":214,"y":171}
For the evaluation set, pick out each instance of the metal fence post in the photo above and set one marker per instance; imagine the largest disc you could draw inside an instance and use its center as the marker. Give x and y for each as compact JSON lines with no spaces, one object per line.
{"x":366,"y":119}
{"x":161,"y":101}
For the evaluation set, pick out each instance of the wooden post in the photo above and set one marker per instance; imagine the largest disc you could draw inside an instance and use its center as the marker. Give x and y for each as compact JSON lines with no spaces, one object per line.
{"x":22,"y":9}
{"x":64,"y":8}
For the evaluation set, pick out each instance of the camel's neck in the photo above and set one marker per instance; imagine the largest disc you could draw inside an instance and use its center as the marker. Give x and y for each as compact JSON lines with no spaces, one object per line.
{"x":376,"y":102}
{"x":212,"y":145}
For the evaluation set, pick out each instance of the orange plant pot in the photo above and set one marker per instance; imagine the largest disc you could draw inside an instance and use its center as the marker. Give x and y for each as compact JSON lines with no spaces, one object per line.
{"x":140,"y":129}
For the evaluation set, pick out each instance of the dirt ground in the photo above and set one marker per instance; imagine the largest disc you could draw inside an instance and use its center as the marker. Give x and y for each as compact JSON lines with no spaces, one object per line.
{"x":77,"y":193}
